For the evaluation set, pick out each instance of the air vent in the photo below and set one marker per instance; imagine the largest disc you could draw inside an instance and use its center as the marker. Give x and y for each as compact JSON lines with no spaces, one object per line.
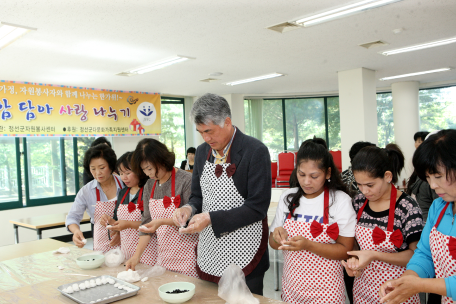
{"x":373,"y":44}
{"x":209,"y":79}
{"x":125,"y":74}
{"x":284,"y":27}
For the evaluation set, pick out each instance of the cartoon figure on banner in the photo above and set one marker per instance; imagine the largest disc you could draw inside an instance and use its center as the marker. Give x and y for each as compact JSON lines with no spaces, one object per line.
{"x":146,"y":113}
{"x":132,"y":101}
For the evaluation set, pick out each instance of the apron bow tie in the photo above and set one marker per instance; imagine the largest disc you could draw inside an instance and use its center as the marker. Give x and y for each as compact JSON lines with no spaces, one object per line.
{"x":132,"y":207}
{"x":332,"y":231}
{"x":229,"y":170}
{"x":452,"y":247}
{"x":167,"y":201}
{"x":396,"y":238}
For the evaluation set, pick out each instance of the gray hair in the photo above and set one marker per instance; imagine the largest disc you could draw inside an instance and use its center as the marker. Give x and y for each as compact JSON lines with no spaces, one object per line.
{"x":210,"y":108}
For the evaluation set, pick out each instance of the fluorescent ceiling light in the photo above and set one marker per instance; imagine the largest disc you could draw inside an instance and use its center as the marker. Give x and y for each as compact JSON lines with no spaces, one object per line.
{"x":415,"y":74}
{"x":158,"y":65}
{"x":10,"y":32}
{"x":343,"y":11}
{"x":420,"y":46}
{"x":268,"y":76}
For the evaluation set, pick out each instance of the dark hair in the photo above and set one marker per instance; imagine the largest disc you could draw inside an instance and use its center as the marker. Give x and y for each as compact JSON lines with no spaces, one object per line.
{"x":154,"y":152}
{"x":125,"y":161}
{"x":437,"y":151}
{"x":358,"y":146}
{"x":377,"y":161}
{"x":100,"y":151}
{"x":420,"y":135}
{"x":191,"y":150}
{"x":101,"y":140}
{"x":313,"y":149}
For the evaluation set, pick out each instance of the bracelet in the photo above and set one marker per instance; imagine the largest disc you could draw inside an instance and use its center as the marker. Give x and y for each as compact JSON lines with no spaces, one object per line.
{"x":275,"y":240}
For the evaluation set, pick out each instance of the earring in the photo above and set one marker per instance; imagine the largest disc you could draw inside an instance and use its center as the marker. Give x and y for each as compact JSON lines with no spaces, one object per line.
{"x":329,"y":180}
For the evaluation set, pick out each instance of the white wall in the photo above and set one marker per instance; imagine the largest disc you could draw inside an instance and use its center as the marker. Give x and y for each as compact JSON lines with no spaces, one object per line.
{"x":236,"y":102}
{"x":26,"y":235}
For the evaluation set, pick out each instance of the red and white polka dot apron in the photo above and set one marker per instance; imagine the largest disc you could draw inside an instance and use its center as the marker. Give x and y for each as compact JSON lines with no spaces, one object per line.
{"x":307,"y":277}
{"x":443,"y":249}
{"x":130,"y":212}
{"x":244,"y":246}
{"x":100,"y":238}
{"x":176,"y":252}
{"x":367,"y":285}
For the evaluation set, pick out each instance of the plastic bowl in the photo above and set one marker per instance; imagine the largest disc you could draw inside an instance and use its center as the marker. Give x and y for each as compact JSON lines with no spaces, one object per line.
{"x":90,"y":261}
{"x":176,"y":297}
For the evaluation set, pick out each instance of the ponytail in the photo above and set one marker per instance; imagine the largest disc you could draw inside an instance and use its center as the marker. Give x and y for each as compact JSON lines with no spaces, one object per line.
{"x":377,"y":161}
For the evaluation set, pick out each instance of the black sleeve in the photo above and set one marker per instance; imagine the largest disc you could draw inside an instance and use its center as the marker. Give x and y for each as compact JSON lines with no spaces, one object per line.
{"x":86,"y":177}
{"x":196,"y":198}
{"x":256,"y":204}
{"x":183,"y":163}
{"x":119,"y":198}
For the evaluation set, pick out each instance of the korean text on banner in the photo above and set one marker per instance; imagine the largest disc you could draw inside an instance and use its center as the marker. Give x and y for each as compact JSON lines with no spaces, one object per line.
{"x":31,"y":109}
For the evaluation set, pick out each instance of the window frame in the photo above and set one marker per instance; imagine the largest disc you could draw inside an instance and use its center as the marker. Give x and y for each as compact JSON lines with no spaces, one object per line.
{"x":177,"y":100}
{"x":325,"y":104}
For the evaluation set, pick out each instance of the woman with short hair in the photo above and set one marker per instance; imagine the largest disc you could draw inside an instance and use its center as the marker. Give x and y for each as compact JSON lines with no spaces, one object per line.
{"x":434,"y":161}
{"x":167,"y":189}
{"x":98,"y":197}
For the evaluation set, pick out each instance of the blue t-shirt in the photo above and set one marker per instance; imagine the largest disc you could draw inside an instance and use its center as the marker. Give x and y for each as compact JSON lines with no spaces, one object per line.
{"x":421,"y":261}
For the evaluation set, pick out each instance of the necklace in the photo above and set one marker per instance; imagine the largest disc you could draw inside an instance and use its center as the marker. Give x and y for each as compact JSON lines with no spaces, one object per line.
{"x":159,"y":184}
{"x":106,"y":188}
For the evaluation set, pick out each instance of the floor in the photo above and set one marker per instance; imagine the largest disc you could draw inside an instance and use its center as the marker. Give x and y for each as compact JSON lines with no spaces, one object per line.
{"x":269,"y":288}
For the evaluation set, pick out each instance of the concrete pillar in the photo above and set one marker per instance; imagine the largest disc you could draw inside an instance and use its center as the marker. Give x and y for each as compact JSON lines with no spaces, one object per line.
{"x":358,"y":109}
{"x":236,"y":102}
{"x":406,"y":120}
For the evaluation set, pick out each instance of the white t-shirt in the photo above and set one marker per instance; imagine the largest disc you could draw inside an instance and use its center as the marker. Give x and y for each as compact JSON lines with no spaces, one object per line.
{"x":340,"y":211}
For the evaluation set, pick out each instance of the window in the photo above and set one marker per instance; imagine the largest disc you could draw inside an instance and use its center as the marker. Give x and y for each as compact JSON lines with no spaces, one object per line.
{"x":10,"y":185}
{"x":305,"y":118}
{"x":437,"y":109}
{"x":283,"y":124}
{"x":173,"y":126}
{"x":385,"y":120}
{"x":333,"y":123}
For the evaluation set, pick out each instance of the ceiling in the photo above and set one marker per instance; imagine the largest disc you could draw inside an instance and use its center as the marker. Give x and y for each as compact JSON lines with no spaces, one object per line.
{"x":86,"y":42}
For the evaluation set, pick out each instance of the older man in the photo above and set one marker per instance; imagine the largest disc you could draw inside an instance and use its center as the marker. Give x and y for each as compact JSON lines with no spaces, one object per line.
{"x":231,"y":192}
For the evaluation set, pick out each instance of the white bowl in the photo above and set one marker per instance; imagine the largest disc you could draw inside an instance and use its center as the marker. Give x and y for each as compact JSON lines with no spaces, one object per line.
{"x":90,"y":261}
{"x":176,"y":297}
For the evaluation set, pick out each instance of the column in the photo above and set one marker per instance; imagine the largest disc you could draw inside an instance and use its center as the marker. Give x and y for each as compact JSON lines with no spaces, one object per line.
{"x":358,"y":109}
{"x":406,"y":120}
{"x":236,"y":102}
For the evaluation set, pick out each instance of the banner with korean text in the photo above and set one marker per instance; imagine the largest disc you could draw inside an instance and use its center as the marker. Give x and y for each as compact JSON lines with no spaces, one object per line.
{"x":35,"y":109}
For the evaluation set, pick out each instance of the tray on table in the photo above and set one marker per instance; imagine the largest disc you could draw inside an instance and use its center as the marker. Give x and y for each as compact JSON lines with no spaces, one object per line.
{"x":100,"y":294}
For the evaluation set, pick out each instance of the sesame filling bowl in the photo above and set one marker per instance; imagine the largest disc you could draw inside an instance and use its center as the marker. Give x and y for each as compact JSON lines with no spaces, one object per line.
{"x":176,"y":292}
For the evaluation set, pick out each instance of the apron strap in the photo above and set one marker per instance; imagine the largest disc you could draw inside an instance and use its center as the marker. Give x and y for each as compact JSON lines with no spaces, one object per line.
{"x":173,"y":184}
{"x":441,"y":215}
{"x":392,"y":209}
{"x":98,"y":191}
{"x":140,"y":195}
{"x":326,"y":207}
{"x":125,"y":195}
{"x":98,"y":194}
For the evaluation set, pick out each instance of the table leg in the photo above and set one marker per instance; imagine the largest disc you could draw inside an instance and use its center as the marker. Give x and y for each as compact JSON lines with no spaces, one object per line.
{"x":16,"y":233}
{"x":38,"y":233}
{"x":276,"y":271}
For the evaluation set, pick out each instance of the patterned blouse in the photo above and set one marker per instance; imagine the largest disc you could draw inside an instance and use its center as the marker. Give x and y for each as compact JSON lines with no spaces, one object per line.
{"x":407,"y":218}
